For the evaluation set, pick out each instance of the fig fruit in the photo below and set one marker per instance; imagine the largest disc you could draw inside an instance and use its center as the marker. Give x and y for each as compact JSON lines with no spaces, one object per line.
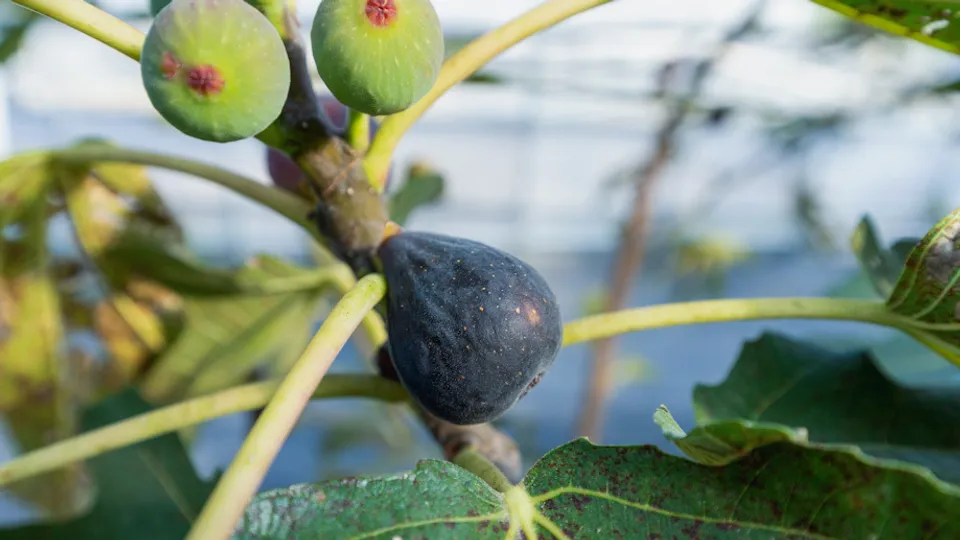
{"x":284,"y":172}
{"x":471,"y":328}
{"x":216,"y":70}
{"x":335,"y":113}
{"x":377,"y":56}
{"x":273,"y":9}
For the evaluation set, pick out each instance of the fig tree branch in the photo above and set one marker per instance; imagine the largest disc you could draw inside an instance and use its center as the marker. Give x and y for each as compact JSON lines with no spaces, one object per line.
{"x":629,"y":256}
{"x":461,"y":65}
{"x":187,"y":413}
{"x":91,"y":21}
{"x":350,"y":214}
{"x":242,"y":479}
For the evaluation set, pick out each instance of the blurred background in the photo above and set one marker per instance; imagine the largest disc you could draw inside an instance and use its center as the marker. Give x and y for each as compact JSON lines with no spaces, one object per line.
{"x":642,"y":153}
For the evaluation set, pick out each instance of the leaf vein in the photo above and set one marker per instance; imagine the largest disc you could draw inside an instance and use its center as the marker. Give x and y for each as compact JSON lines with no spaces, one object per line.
{"x":679,"y":515}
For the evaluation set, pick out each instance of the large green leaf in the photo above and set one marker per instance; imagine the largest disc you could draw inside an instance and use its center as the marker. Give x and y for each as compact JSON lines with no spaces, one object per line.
{"x":147,"y":491}
{"x":436,"y":500}
{"x":928,"y":21}
{"x":838,"y":397}
{"x":778,"y":489}
{"x":227,"y":336}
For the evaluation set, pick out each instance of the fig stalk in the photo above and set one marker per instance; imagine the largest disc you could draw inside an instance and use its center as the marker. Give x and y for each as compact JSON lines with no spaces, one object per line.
{"x":91,"y":21}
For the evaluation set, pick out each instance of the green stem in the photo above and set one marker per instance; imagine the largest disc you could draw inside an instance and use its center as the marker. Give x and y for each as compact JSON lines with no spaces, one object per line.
{"x":92,"y":21}
{"x":175,"y":417}
{"x":460,"y":66}
{"x":358,"y":130}
{"x":709,"y":311}
{"x":239,"y":484}
{"x":473,"y":461}
{"x":373,"y":325}
{"x":277,"y":200}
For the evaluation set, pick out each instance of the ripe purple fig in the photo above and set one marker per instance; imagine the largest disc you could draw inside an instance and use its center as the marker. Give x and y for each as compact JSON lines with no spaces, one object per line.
{"x":471,"y":328}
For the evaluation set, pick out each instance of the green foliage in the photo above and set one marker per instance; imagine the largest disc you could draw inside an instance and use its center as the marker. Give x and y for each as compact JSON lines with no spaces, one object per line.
{"x":436,"y":500}
{"x":423,"y":186}
{"x":837,"y":397}
{"x":148,"y":491}
{"x":801,"y":440}
{"x":772,"y":485}
{"x":233,"y":319}
{"x":927,"y":291}
{"x":40,"y":302}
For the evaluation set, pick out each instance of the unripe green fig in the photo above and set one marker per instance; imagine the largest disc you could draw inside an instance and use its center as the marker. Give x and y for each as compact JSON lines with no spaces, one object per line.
{"x":377,"y":56}
{"x":271,"y":8}
{"x":216,"y":70}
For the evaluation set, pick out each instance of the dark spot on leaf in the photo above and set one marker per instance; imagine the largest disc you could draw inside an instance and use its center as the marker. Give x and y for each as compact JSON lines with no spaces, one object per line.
{"x":692,"y":529}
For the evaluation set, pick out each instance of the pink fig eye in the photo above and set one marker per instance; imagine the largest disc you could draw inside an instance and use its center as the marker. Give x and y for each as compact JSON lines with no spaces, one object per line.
{"x":205,"y":80}
{"x":381,"y":12}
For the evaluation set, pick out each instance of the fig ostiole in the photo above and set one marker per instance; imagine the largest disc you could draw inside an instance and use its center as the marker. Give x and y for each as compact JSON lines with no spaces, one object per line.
{"x":216,"y":70}
{"x":378,"y":57}
{"x":471,"y":328}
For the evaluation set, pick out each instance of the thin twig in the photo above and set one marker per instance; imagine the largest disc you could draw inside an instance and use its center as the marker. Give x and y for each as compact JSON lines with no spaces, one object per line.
{"x":239,"y":484}
{"x":629,"y":257}
{"x":277,"y":200}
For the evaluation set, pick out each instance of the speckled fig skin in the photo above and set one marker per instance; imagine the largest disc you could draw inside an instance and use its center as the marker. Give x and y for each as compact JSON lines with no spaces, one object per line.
{"x":377,"y":56}
{"x":216,"y":70}
{"x":471,"y":328}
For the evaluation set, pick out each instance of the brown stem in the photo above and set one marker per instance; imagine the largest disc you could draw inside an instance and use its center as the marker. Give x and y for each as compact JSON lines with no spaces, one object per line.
{"x":349,"y":213}
{"x":352,"y":216}
{"x":484,"y":439}
{"x":630,"y":255}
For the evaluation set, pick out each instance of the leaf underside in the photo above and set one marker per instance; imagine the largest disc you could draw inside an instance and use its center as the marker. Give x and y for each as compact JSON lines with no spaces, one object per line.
{"x":838,"y":397}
